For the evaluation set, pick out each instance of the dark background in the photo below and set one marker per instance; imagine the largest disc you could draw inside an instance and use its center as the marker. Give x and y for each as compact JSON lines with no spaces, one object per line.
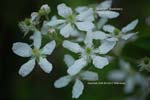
{"x":38,"y":85}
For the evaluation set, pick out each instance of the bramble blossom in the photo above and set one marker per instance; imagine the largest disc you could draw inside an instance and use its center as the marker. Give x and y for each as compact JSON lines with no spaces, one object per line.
{"x":36,"y":54}
{"x":87,"y":53}
{"x":70,"y":21}
{"x":78,"y":86}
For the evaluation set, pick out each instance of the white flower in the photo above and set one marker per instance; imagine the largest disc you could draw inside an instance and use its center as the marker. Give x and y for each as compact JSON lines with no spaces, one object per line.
{"x":127,"y":74}
{"x":78,"y":86}
{"x":88,"y":53}
{"x":70,"y":21}
{"x":145,"y":64}
{"x":125,"y":33}
{"x":35,"y":54}
{"x":116,"y":35}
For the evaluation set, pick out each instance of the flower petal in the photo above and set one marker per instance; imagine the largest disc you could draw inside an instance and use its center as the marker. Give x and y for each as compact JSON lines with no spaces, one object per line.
{"x":63,"y":81}
{"x":100,"y":62}
{"x":85,"y":26}
{"x":108,"y":14}
{"x":106,"y":46}
{"x":99,"y":35}
{"x":86,"y":15}
{"x":77,"y":89}
{"x":45,"y":28}
{"x":130,"y":26}
{"x":104,"y":5}
{"x":77,"y":66}
{"x":124,"y":65}
{"x":74,"y":47}
{"x":81,"y":9}
{"x":116,"y":75}
{"x":109,"y":28}
{"x":45,"y":65}
{"x":68,"y":30}
{"x":49,"y":48}
{"x":55,"y":22}
{"x":27,"y":68}
{"x":88,"y":41}
{"x":22,"y":49}
{"x":102,"y":22}
{"x":69,"y":60}
{"x":128,"y":36}
{"x":89,"y":76}
{"x":129,"y":86}
{"x":37,"y":38}
{"x":64,"y":10}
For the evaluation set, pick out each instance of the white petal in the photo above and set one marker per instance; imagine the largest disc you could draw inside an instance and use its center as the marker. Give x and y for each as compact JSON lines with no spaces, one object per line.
{"x":81,"y":9}
{"x":77,"y":66}
{"x":112,"y":39}
{"x":139,"y":79}
{"x":86,"y":15}
{"x":55,"y":22}
{"x":45,"y":28}
{"x":104,"y":5}
{"x":64,"y":10}
{"x":45,"y":65}
{"x":63,"y":81}
{"x":124,"y":65}
{"x":128,"y":36}
{"x":74,"y":47}
{"x":130,"y":26}
{"x":68,"y":30}
{"x":49,"y":48}
{"x":116,"y":75}
{"x":129,"y":86}
{"x":106,"y":46}
{"x":99,"y":35}
{"x":102,"y":22}
{"x":77,"y":89}
{"x":54,"y":17}
{"x":89,"y":18}
{"x":27,"y":68}
{"x":22,"y":49}
{"x":69,"y":60}
{"x":108,"y":14}
{"x":109,"y":28}
{"x":85,"y":26}
{"x":75,"y":32}
{"x":88,"y":39}
{"x":100,"y":62}
{"x":37,"y":38}
{"x":89,"y":76}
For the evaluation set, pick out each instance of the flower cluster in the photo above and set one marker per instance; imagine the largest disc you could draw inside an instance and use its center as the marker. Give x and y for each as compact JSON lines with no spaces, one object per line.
{"x":84,"y":32}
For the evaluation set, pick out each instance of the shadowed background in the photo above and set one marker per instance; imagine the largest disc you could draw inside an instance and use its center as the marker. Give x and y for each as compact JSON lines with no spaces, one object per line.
{"x":38,"y":85}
